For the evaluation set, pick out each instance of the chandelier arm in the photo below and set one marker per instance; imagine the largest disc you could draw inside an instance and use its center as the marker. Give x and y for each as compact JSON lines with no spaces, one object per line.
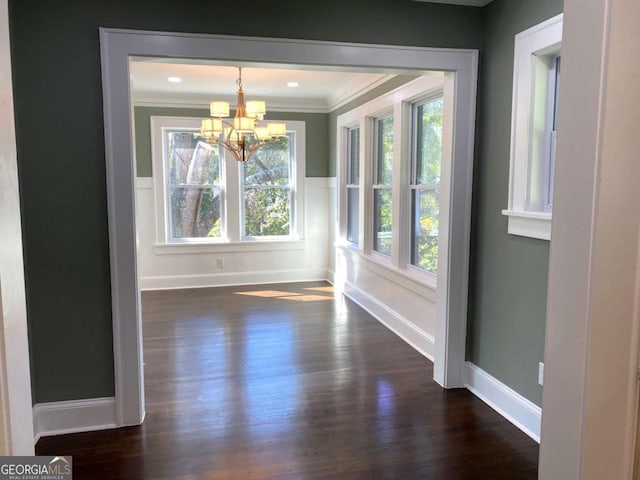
{"x":241,"y":149}
{"x":231,"y":149}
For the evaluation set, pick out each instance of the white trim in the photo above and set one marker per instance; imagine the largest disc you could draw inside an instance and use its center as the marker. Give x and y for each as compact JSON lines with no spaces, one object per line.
{"x":170,"y":282}
{"x":529,"y":224}
{"x":590,"y":395}
{"x":523,"y":413}
{"x":399,"y":277}
{"x":228,"y":247}
{"x":144,"y":183}
{"x":530,"y":156}
{"x":184,"y":100}
{"x":201,"y":101}
{"x":159,"y":102}
{"x":116,"y":47}
{"x":421,"y":341}
{"x":231,"y":188}
{"x":398,"y":102}
{"x":340,"y":102}
{"x":383,"y":105}
{"x":59,"y":418}
{"x":15,"y":379}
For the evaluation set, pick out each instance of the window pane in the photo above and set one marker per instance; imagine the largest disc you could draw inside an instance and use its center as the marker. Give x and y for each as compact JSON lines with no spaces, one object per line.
{"x":428,"y":143}
{"x":266,"y":211}
{"x":425,"y":225}
{"x":270,"y":165}
{"x":195,"y":212}
{"x":192,"y":162}
{"x":354,"y":156}
{"x":382,"y":220}
{"x":556,"y":91}
{"x":384,"y":150}
{"x":353,"y":214}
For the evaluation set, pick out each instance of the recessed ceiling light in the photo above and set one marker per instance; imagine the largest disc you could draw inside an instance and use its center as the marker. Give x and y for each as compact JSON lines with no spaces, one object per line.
{"x":174,"y":79}
{"x":293,"y":84}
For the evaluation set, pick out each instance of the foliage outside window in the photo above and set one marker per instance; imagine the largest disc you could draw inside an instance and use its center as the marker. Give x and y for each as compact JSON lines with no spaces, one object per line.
{"x":194,"y":187}
{"x":425,"y":184}
{"x":402,"y":138}
{"x":266,"y":181}
{"x":205,"y":197}
{"x":353,"y":184}
{"x":382,"y":189}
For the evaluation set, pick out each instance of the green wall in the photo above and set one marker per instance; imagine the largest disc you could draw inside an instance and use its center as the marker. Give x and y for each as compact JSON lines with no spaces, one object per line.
{"x":508,"y":281}
{"x":59,"y":122}
{"x":316,"y":141}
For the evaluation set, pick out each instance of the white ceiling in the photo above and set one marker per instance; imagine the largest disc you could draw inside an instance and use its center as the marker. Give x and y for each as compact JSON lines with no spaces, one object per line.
{"x":201,"y":83}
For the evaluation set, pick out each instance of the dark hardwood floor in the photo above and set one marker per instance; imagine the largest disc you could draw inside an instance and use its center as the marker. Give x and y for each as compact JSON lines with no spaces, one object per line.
{"x":286,"y":382}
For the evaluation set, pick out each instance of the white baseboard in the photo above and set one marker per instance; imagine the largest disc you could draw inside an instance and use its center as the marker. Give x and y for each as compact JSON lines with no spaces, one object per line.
{"x":523,"y":413}
{"x":58,"y":418}
{"x":171,"y":282}
{"x":414,"y":336}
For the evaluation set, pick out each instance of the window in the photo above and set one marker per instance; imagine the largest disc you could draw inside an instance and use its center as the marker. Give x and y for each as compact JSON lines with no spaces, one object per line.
{"x":267,"y":189}
{"x":425,"y":183}
{"x":394,"y":159}
{"x":553,"y":109}
{"x":382,"y":189}
{"x":533,"y":129}
{"x":193,"y":193}
{"x":353,"y":185}
{"x":205,"y":197}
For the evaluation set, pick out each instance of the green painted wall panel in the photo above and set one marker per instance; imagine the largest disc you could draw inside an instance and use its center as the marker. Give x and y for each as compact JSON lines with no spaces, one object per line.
{"x":316,"y":149}
{"x":508,"y":281}
{"x":58,"y":110}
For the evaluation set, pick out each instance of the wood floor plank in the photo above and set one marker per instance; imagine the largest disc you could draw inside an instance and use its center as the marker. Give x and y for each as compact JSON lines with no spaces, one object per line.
{"x":288,"y":382}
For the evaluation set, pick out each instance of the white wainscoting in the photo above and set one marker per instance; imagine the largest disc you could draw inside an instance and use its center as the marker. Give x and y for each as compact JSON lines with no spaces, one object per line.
{"x":406,"y":307}
{"x":58,"y":418}
{"x":523,"y":413}
{"x":304,"y":261}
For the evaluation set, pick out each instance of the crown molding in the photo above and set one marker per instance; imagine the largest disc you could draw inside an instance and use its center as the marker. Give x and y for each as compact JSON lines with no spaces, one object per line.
{"x":338,"y":101}
{"x":274,"y":104}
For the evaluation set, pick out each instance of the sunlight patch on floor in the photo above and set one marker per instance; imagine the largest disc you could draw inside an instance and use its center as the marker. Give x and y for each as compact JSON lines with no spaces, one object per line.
{"x":328,"y":289}
{"x":268,"y":293}
{"x":307,"y":298}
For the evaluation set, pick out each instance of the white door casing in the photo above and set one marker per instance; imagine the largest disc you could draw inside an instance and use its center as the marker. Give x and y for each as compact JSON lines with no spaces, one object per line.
{"x":16,"y":420}
{"x":116,"y":48}
{"x":589,"y":400}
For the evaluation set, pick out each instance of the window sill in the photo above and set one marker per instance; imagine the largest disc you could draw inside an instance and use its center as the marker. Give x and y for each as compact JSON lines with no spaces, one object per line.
{"x":412,"y":278}
{"x":529,"y":224}
{"x":228,"y":247}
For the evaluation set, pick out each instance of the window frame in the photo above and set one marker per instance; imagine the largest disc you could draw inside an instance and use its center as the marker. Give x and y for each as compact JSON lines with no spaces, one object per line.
{"x":352,"y":182}
{"x":231,"y":191}
{"x":413,"y":176}
{"x":292,"y":203}
{"x":531,"y":160}
{"x":400,"y":102}
{"x":168,"y":187}
{"x":375,"y":184}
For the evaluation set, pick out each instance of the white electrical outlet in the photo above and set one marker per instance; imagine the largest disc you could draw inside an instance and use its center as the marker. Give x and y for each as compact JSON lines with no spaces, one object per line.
{"x":220,"y":263}
{"x":541,"y":373}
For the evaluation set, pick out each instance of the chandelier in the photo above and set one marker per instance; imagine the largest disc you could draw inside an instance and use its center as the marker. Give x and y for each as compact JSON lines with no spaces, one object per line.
{"x":248,"y":131}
